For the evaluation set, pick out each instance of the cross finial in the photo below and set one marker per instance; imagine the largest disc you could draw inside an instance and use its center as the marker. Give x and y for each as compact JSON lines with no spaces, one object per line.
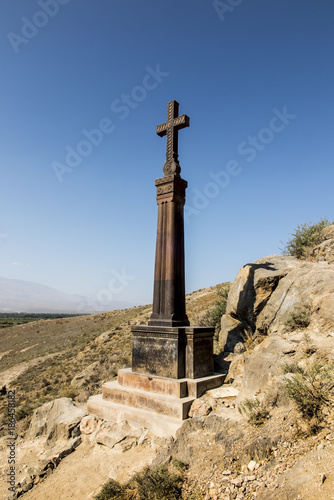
{"x":170,"y":128}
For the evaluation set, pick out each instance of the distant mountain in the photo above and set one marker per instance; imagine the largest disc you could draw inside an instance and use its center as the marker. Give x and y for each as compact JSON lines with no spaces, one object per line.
{"x":27,"y":296}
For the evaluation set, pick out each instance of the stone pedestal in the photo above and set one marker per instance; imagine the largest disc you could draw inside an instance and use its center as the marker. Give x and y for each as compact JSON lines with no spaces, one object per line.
{"x":171,"y":367}
{"x":175,"y":352}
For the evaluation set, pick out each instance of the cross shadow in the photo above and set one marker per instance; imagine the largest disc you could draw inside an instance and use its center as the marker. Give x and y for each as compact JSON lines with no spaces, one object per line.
{"x":246,"y":313}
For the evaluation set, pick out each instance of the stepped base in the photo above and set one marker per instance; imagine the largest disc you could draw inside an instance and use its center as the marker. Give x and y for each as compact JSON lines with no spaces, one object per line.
{"x":158,"y":403}
{"x":159,"y":424}
{"x":178,"y":388}
{"x":136,"y":398}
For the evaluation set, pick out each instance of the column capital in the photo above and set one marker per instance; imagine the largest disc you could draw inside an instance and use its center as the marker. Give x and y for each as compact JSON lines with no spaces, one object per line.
{"x":171,"y":188}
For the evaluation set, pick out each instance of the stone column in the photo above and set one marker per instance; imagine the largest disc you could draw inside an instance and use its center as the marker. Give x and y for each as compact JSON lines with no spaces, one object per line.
{"x":169,"y":279}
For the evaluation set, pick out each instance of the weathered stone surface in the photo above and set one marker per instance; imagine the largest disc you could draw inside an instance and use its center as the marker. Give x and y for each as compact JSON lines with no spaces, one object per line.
{"x":89,"y":424}
{"x":325,"y":251}
{"x":112,"y":434}
{"x":262,"y":366}
{"x":236,"y":371}
{"x":199,"y":408}
{"x":199,"y":352}
{"x":57,"y":453}
{"x":265,"y":293}
{"x":327,"y":233}
{"x":226,"y":391}
{"x":55,"y":420}
{"x":178,"y":388}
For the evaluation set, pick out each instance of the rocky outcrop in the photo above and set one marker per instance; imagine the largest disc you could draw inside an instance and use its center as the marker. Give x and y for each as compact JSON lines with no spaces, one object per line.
{"x":266,"y":292}
{"x":58,"y":419}
{"x":325,"y":250}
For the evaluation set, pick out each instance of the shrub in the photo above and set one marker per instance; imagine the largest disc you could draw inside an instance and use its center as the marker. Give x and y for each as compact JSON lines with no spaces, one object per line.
{"x":254,"y":410}
{"x":310,"y":387}
{"x":157,"y":483}
{"x":304,"y":238}
{"x":111,"y":489}
{"x":300,"y":318}
{"x":214,"y":315}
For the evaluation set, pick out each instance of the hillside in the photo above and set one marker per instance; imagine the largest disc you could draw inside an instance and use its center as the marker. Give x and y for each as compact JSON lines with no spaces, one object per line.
{"x":267,"y":433}
{"x":41,"y":358}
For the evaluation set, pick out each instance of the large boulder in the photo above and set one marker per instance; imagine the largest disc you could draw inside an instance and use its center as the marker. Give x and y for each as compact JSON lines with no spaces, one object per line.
{"x":56,"y":420}
{"x":265,"y":293}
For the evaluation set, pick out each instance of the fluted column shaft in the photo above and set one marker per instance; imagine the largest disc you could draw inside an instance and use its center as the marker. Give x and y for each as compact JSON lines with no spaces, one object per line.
{"x":169,"y":277}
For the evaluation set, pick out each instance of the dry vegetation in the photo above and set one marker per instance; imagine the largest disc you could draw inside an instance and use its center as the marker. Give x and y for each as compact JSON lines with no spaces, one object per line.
{"x":51,"y":353}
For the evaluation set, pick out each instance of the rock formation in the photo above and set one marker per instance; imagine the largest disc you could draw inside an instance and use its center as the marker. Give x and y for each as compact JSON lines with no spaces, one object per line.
{"x":266,"y":292}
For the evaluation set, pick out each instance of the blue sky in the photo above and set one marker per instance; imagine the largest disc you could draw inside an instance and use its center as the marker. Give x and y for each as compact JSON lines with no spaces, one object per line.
{"x":78,"y":206}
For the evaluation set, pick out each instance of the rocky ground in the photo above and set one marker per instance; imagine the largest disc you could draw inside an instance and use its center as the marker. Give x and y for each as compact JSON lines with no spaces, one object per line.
{"x":227,"y":457}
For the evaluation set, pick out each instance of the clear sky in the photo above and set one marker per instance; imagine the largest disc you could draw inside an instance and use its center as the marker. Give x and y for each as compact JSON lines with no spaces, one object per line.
{"x":78,"y":209}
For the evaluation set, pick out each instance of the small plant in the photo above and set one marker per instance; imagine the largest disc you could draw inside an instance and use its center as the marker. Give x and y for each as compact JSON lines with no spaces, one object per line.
{"x":291,"y":368}
{"x":311,"y":388}
{"x":300,"y":318}
{"x":254,"y":410}
{"x":305,"y":237}
{"x":309,"y":348}
{"x":180,"y":466}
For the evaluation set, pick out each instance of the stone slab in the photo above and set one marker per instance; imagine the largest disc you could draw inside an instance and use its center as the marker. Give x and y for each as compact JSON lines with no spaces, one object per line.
{"x":159,"y":424}
{"x":224,"y":392}
{"x":159,"y":403}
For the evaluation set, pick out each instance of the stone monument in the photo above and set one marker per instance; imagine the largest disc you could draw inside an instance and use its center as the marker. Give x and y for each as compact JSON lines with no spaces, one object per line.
{"x":172,"y":362}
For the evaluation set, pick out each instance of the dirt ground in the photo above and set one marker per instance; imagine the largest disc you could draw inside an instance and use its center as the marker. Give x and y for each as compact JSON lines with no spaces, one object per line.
{"x":80,"y":474}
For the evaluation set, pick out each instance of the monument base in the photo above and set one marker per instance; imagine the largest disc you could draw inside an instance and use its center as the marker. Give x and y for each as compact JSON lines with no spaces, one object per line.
{"x":160,"y":404}
{"x":173,"y":351}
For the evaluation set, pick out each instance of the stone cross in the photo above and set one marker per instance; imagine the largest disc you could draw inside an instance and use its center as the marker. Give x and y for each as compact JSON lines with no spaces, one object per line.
{"x":171,"y":128}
